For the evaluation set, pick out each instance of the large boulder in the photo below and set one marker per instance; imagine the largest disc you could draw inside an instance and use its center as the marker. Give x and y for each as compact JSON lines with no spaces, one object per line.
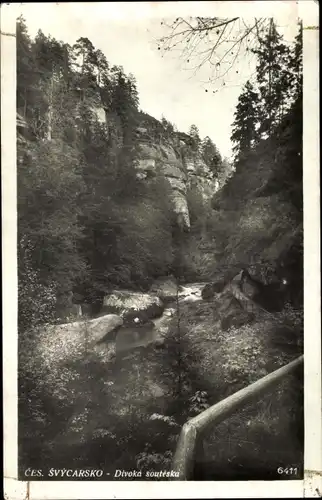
{"x":102,"y":327}
{"x":270,"y":296}
{"x":134,"y":307}
{"x":89,"y":331}
{"x":230,"y":313}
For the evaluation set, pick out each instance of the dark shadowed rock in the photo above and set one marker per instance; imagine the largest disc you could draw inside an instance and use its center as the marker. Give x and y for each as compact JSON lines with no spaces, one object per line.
{"x":137,"y":318}
{"x":211,"y":289}
{"x":133,"y":337}
{"x":229,"y":312}
{"x":269,"y":296}
{"x":237,"y":319}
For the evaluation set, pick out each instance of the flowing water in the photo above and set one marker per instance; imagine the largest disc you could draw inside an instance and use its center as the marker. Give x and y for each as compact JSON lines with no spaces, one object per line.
{"x":130,"y":337}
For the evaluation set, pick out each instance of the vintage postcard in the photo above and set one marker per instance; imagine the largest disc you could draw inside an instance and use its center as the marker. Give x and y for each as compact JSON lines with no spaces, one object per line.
{"x":160,"y":187}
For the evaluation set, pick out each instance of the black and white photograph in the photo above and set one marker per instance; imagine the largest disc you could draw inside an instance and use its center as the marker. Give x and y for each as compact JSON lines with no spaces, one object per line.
{"x":159,"y":243}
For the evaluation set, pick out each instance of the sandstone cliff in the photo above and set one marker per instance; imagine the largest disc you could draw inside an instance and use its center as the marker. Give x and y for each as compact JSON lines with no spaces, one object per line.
{"x":168,"y":155}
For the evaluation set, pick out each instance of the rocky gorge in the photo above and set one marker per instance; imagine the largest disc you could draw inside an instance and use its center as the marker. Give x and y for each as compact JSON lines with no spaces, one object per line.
{"x":131,"y":370}
{"x":139,"y":364}
{"x":155,"y":278}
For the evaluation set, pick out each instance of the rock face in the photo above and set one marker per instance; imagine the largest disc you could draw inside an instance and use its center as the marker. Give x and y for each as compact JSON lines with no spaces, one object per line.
{"x":134,"y":307}
{"x":231,"y":312}
{"x":182,"y":168}
{"x":169,"y":156}
{"x":163,"y":160}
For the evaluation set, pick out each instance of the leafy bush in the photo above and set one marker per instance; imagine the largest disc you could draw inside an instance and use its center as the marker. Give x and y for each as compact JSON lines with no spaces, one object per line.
{"x":198,"y":402}
{"x":36,"y":300}
{"x":149,"y":460}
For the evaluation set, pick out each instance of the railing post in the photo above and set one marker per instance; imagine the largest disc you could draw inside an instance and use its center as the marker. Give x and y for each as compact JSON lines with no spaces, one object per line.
{"x":185,"y":454}
{"x":184,"y":459}
{"x":200,"y":454}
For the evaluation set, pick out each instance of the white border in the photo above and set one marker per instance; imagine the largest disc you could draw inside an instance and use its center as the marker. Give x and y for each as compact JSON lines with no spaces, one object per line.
{"x":14,"y":489}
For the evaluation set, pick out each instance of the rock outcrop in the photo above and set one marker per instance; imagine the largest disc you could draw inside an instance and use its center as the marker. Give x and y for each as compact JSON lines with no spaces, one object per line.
{"x":168,"y":155}
{"x":163,"y":160}
{"x":174,"y":159}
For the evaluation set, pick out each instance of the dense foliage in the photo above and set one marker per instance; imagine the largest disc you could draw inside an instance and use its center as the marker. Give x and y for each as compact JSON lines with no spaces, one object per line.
{"x":259,"y":210}
{"x":264,"y":104}
{"x":88,"y":221}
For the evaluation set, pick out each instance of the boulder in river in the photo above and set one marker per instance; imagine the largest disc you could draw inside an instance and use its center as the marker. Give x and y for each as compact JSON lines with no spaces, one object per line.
{"x":91,"y":331}
{"x":134,"y":307}
{"x":209,"y":291}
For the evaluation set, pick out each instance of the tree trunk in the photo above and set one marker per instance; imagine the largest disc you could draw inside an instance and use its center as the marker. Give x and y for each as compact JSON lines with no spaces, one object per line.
{"x":50,"y":110}
{"x":269,"y":80}
{"x":25,"y":104}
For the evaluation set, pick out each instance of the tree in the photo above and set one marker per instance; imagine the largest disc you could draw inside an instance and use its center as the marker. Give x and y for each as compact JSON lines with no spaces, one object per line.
{"x":245,"y":127}
{"x":48,"y":225}
{"x":168,"y":126}
{"x":288,"y":164}
{"x":86,"y":221}
{"x":125,"y":104}
{"x":194,"y":134}
{"x":273,"y":78}
{"x":211,"y":156}
{"x":50,"y":57}
{"x":85,"y":66}
{"x":27,"y":77}
{"x":296,"y":64}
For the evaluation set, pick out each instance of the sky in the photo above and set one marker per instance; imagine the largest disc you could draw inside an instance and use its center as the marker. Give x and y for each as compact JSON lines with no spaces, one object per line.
{"x":127,"y":34}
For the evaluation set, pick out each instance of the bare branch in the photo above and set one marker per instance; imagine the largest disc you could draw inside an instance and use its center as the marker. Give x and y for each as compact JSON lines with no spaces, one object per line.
{"x":204,"y":39}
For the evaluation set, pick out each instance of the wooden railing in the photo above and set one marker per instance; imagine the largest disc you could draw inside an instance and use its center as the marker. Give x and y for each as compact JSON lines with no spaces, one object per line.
{"x":192,"y":431}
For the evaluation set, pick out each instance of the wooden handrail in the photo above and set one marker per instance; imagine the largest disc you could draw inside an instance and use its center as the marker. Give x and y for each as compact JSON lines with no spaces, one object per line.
{"x":184,"y":458}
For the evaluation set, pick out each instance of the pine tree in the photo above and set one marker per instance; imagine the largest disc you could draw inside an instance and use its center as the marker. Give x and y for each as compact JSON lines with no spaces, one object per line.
{"x":245,"y":127}
{"x":211,"y":156}
{"x":85,"y":67}
{"x":194,"y":134}
{"x":50,"y":59}
{"x":26,"y":70}
{"x":168,"y":126}
{"x":296,"y":65}
{"x":273,"y":77}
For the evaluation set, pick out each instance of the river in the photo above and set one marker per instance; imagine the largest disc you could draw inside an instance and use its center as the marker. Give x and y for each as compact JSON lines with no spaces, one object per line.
{"x":130,"y":337}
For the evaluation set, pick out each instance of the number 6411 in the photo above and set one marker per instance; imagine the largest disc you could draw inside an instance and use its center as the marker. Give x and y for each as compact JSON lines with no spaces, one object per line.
{"x":287,"y":470}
